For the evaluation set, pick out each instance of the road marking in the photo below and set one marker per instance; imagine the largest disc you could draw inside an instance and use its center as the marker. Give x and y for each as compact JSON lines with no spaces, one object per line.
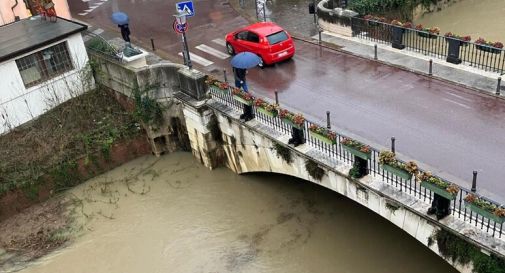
{"x":212,"y":51}
{"x":97,"y":31}
{"x":458,"y":96}
{"x":197,"y":59}
{"x":219,"y":41}
{"x":83,"y":13}
{"x":460,"y":104}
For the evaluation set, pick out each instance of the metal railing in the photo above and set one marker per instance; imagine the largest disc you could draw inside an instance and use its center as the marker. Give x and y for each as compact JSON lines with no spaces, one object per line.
{"x":99,"y":45}
{"x":336,"y":151}
{"x":476,"y":55}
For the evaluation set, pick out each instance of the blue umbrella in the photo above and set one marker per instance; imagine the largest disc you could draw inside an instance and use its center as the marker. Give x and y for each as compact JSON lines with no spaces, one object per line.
{"x":120,"y":18}
{"x":245,"y":60}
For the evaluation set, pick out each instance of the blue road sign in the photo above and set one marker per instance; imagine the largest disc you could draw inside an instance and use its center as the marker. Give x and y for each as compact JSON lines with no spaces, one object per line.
{"x":186,"y":7}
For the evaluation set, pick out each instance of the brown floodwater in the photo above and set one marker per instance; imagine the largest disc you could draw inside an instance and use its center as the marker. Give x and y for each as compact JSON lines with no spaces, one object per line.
{"x":171,"y":214}
{"x":477,"y":18}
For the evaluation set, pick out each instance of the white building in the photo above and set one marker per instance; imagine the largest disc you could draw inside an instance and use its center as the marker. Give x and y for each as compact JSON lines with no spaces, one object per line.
{"x":41,"y":66}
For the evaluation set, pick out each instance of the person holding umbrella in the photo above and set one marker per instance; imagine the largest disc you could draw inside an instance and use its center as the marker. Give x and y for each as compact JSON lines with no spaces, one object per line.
{"x":240,"y":63}
{"x":122,"y":20}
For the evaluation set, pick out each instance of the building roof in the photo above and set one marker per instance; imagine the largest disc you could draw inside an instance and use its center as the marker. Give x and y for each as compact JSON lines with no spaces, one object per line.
{"x":29,"y":34}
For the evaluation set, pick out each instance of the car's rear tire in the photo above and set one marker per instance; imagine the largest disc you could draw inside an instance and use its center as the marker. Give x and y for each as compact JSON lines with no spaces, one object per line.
{"x":230,"y":49}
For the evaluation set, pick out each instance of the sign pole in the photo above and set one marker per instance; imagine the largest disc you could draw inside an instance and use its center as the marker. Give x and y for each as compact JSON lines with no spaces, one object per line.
{"x":187,"y":59}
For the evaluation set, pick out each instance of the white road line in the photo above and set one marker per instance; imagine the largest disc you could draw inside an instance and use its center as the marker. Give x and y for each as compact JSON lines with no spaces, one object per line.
{"x":458,"y":96}
{"x":212,"y":51}
{"x":83,"y":13}
{"x":460,"y":104}
{"x":219,"y":41}
{"x":197,"y":59}
{"x":97,"y":31}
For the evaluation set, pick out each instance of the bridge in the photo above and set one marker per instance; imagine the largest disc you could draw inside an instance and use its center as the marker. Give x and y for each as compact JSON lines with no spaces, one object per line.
{"x":208,"y":119}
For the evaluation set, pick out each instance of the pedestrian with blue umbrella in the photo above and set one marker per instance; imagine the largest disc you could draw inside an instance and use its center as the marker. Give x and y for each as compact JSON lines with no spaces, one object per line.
{"x":122,"y":20}
{"x":240,"y":63}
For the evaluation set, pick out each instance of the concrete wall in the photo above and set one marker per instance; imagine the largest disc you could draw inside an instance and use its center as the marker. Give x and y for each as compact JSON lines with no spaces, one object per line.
{"x":19,"y":104}
{"x":7,"y":14}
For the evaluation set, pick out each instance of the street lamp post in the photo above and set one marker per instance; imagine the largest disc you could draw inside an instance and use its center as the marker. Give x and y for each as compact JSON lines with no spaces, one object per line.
{"x":181,"y":20}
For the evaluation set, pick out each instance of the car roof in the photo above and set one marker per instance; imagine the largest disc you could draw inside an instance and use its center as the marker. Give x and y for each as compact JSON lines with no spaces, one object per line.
{"x":264,"y":28}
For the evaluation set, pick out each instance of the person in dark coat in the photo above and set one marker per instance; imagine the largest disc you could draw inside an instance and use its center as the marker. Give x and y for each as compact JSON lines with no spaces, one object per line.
{"x":240,"y":82}
{"x":125,"y":32}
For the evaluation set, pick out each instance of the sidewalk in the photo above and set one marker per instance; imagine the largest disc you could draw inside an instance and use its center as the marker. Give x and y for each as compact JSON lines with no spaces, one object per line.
{"x":464,"y":75}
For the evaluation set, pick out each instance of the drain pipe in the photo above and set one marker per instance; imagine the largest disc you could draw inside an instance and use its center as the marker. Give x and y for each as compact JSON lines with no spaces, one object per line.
{"x":16,"y":18}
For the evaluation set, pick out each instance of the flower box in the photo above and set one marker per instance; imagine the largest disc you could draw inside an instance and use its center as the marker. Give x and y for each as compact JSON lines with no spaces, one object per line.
{"x":484,"y":213}
{"x":268,"y":113}
{"x":218,"y":90}
{"x":357,"y":152}
{"x":289,"y":122}
{"x":425,"y":34}
{"x":488,"y":49}
{"x":434,"y":188}
{"x":242,"y":100}
{"x":396,"y":171}
{"x":322,"y":138}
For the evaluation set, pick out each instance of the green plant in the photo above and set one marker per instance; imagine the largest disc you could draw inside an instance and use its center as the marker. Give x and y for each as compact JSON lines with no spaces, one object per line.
{"x":431,"y":30}
{"x":355,"y":144}
{"x":354,"y":172}
{"x":65,"y":175}
{"x":98,"y":44}
{"x":381,"y":6}
{"x":270,"y":107}
{"x":314,"y":170}
{"x":485,"y":205}
{"x":462,"y":38}
{"x":211,"y":81}
{"x":429,"y":178}
{"x":481,"y":41}
{"x":323,"y":131}
{"x":389,"y":158}
{"x":283,"y":152}
{"x":147,"y":109}
{"x":454,"y":248}
{"x":242,"y":94}
{"x":297,"y":119}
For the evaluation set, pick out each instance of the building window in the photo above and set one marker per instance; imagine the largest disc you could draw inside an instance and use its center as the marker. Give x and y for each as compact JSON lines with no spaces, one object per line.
{"x":44,"y":65}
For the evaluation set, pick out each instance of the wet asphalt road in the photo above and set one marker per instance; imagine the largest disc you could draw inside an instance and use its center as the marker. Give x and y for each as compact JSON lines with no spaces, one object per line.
{"x":450,"y":129}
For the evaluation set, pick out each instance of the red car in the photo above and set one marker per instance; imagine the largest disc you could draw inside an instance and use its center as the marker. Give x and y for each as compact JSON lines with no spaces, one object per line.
{"x":268,"y":40}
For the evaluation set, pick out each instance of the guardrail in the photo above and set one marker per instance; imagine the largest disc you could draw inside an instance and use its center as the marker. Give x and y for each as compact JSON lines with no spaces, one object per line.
{"x":411,"y":186}
{"x":483,"y":57}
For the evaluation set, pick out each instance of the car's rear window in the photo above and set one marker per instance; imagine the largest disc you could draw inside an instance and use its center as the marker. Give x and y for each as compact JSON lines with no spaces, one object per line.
{"x":277,"y":37}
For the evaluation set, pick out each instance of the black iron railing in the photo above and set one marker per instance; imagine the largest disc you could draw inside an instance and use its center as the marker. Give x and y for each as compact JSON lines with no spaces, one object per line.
{"x":335,"y":151}
{"x":476,"y":55}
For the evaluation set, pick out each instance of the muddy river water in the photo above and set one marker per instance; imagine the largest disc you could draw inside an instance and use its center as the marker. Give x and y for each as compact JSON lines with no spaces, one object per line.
{"x":171,"y":214}
{"x":477,"y":18}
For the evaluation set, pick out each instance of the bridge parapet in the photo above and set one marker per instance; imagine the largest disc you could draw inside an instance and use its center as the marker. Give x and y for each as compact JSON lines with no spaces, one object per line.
{"x":219,"y":138}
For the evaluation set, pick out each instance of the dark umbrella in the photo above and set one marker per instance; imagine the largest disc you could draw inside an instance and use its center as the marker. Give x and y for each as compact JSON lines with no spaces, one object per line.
{"x":120,"y":18}
{"x":245,"y":60}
